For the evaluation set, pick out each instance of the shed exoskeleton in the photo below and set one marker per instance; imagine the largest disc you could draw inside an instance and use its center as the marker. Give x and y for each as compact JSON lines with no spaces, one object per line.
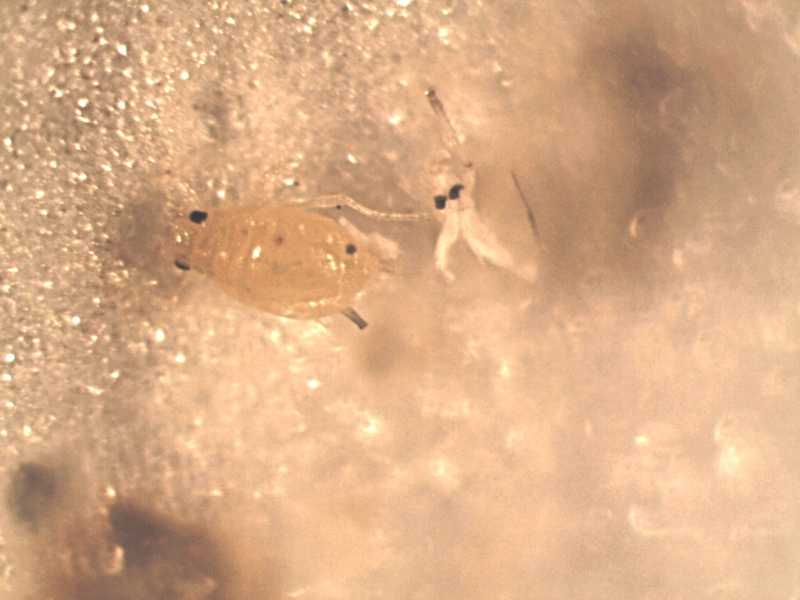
{"x":460,"y":216}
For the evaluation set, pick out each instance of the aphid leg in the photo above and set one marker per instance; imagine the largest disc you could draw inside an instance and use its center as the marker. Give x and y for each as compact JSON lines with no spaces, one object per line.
{"x":340,"y":201}
{"x":356,"y":318}
{"x":484,"y":243}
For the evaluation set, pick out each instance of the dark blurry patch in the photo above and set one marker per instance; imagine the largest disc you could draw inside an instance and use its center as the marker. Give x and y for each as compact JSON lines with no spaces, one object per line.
{"x":82,"y":551}
{"x":165,"y":558}
{"x":640,"y":78}
{"x":140,"y":554}
{"x":166,"y":574}
{"x":33,"y":493}
{"x":619,"y":160}
{"x":222,"y":113}
{"x":142,"y":240}
{"x":146,"y":536}
{"x":400,"y":345}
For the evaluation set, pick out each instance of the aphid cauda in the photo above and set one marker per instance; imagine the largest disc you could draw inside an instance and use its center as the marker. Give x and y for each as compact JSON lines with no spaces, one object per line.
{"x":285,"y":260}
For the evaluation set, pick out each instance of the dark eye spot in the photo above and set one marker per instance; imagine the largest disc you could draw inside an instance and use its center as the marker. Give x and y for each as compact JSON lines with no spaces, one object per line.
{"x":278,"y":239}
{"x":198,"y":216}
{"x":350,"y":248}
{"x":182,"y":265}
{"x":440,"y":202}
{"x":455,"y":191}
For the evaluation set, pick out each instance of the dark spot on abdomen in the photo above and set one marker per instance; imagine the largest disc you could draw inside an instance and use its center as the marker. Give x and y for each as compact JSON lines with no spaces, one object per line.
{"x":198,"y":216}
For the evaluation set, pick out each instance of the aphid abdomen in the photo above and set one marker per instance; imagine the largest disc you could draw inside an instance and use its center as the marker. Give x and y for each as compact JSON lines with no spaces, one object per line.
{"x":283,"y":260}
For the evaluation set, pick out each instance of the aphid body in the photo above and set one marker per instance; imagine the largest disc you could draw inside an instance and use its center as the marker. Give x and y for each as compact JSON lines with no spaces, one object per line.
{"x":285,"y":260}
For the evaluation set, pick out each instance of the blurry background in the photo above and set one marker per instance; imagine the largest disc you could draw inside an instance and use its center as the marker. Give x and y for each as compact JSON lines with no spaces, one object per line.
{"x":624,"y":427}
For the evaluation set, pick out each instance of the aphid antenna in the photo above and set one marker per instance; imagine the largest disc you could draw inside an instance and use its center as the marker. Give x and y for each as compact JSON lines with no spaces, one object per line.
{"x":340,"y":201}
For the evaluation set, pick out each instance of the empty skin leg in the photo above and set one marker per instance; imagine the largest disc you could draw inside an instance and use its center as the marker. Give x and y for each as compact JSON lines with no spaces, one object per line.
{"x":356,"y":318}
{"x":449,"y":234}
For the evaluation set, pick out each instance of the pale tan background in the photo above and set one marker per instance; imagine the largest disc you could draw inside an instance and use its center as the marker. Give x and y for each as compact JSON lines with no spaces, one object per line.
{"x":624,"y":428}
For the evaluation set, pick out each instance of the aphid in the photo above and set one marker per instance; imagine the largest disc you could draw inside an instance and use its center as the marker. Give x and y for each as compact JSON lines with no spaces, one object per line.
{"x":285,"y":260}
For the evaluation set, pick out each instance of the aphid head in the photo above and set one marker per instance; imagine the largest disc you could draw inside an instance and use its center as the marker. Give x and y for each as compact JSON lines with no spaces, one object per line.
{"x":185,"y":232}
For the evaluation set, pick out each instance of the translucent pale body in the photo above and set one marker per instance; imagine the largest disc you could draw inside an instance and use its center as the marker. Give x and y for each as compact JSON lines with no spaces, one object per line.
{"x":286,"y":261}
